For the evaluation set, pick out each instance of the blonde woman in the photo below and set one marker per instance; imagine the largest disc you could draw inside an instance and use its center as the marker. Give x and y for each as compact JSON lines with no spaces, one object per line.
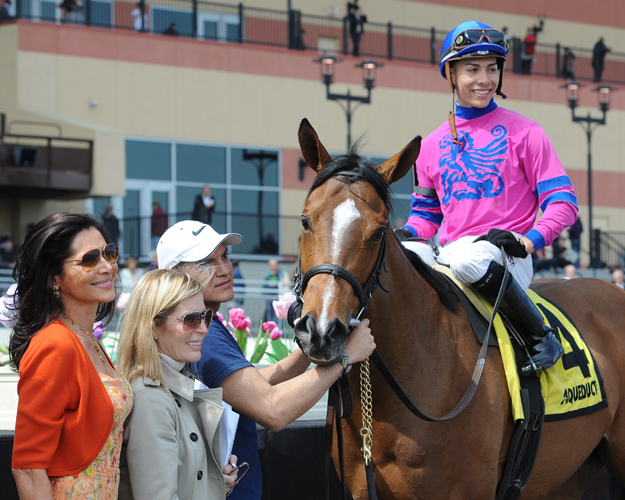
{"x":171,"y":439}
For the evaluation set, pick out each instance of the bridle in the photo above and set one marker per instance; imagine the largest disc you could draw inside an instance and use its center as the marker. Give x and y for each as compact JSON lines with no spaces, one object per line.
{"x":365,"y":292}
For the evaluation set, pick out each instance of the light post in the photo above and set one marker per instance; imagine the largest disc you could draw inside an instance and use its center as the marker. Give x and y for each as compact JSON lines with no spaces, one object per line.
{"x":589,"y":124}
{"x":369,"y":68}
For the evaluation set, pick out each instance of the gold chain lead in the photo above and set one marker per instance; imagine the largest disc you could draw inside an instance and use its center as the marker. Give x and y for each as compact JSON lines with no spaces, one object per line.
{"x":366,"y":401}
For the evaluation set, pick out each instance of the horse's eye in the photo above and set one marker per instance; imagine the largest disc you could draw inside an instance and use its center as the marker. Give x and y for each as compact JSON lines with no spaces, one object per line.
{"x":377,"y":236}
{"x":305,"y":224}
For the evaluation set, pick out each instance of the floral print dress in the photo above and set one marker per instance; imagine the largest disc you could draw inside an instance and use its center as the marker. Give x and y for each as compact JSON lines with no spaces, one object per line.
{"x":100,"y":481}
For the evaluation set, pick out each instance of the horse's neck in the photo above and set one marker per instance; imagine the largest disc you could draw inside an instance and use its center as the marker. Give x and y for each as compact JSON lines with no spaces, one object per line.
{"x":412,"y":313}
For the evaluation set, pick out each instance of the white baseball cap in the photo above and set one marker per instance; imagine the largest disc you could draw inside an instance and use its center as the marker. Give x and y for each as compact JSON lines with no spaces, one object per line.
{"x":190,"y":241}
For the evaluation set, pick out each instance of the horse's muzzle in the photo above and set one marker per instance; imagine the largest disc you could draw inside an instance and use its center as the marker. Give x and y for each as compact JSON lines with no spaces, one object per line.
{"x":322,"y":347}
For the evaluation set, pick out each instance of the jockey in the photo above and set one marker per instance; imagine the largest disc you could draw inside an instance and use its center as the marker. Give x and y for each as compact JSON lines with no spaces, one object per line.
{"x":482,"y":178}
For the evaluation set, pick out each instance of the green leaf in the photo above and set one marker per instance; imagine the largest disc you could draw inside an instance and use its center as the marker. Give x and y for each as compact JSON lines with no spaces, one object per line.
{"x":279,"y":349}
{"x":4,"y":349}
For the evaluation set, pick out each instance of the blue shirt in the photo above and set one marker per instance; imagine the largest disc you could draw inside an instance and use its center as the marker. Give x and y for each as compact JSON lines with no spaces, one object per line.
{"x":221,"y":356}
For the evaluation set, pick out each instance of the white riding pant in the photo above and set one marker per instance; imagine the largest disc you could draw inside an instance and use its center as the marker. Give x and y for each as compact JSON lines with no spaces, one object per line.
{"x":469,"y":260}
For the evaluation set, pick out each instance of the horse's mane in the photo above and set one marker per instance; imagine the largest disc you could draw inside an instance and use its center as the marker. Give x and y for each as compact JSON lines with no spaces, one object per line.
{"x":356,"y":168}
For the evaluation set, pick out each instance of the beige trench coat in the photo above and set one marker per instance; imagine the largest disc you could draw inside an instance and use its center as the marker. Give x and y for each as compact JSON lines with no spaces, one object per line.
{"x":171,"y":445}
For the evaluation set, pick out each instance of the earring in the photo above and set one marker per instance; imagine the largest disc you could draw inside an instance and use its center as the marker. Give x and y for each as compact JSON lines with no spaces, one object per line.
{"x":55,"y":291}
{"x":155,"y":337}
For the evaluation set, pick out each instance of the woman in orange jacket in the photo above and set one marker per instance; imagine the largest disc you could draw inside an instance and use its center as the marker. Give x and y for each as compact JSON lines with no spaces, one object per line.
{"x":72,"y":401}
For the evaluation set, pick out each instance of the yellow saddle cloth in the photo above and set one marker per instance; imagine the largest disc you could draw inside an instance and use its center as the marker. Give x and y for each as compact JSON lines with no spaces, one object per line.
{"x":570,"y":388}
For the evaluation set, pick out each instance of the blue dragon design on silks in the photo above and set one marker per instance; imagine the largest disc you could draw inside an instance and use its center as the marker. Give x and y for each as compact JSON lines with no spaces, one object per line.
{"x":471,"y":173}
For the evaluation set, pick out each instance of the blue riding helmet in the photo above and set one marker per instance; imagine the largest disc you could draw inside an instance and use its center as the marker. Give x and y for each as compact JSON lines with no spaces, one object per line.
{"x":457,"y":44}
{"x":472,"y":39}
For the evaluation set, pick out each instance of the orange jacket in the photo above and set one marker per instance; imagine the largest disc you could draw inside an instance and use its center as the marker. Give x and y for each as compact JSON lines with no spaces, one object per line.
{"x":64,"y":414}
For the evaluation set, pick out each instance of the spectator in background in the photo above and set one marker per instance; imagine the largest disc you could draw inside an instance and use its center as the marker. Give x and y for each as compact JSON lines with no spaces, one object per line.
{"x":357,"y":19}
{"x":5,"y":10}
{"x":598,"y":56}
{"x":529,"y":47}
{"x":7,"y":254}
{"x":575,"y":235}
{"x":159,"y":222}
{"x":140,"y":22}
{"x":130,"y":274}
{"x":276,"y":283}
{"x":67,"y":6}
{"x":618,"y":278}
{"x":570,"y":272}
{"x":568,"y":64}
{"x":558,"y":259}
{"x":504,"y":30}
{"x":239,"y":288}
{"x":111,"y":224}
{"x":171,"y":30}
{"x":203,"y":206}
{"x":153,"y":261}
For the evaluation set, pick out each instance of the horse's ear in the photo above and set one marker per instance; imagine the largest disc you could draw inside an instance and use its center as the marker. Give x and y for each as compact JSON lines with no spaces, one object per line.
{"x":396,"y":167}
{"x":314,"y":152}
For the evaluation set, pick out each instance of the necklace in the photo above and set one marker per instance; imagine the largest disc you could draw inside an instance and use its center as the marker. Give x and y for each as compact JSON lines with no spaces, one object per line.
{"x":97,"y":345}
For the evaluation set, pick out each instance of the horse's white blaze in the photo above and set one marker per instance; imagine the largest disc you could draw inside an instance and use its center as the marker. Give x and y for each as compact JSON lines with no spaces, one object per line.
{"x":344,"y":215}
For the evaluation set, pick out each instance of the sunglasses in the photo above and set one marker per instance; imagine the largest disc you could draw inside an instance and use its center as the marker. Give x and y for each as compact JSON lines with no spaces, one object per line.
{"x":91,"y":259}
{"x":191,"y":321}
{"x":243,"y":465}
{"x":470,"y":37}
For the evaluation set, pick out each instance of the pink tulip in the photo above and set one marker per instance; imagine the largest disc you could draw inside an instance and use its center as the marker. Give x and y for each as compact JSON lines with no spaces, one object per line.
{"x":275,"y":334}
{"x":281,"y":306}
{"x":122,"y":302}
{"x":98,"y":329}
{"x":268,"y":326}
{"x":8,"y":314}
{"x":238,"y":320}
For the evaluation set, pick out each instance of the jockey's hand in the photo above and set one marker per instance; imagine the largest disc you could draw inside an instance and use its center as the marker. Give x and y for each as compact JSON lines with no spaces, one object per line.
{"x":403,"y":234}
{"x":510,"y":243}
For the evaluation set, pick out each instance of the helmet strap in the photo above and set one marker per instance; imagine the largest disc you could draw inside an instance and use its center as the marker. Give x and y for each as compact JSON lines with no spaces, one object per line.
{"x":452,"y":114}
{"x":500,"y":64}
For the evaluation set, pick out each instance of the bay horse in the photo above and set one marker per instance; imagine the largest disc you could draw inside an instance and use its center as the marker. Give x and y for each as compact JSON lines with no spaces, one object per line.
{"x":428,"y":343}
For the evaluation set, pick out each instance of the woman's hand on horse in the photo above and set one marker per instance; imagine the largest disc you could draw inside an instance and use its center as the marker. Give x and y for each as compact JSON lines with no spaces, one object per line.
{"x":360,"y":343}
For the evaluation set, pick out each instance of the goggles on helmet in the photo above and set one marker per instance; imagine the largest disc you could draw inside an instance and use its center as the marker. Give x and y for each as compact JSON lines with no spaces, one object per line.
{"x":469,"y":37}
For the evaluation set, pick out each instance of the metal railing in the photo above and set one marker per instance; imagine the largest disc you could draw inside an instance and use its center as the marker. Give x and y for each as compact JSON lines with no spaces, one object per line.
{"x":298,"y":31}
{"x":263,"y":235}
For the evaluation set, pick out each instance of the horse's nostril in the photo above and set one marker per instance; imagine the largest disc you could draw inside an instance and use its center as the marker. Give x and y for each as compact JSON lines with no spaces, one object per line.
{"x":336,"y":333}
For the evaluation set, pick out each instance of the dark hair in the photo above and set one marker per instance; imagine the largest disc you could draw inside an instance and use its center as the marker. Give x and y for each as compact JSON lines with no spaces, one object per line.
{"x":40,"y":258}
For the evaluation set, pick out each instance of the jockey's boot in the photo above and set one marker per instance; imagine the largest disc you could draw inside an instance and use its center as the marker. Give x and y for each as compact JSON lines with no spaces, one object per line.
{"x":545,"y":349}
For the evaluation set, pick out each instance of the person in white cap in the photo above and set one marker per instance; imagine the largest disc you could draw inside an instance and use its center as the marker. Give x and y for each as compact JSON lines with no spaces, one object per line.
{"x":273,"y":396}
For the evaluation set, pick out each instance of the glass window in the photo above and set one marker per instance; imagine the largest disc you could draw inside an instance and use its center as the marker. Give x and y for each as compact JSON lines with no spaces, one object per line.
{"x":99,"y":206}
{"x":254,"y":167}
{"x":162,"y":18}
{"x":205,"y":164}
{"x":131,"y":229}
{"x":186,"y":199}
{"x":148,"y":160}
{"x":100,"y":14}
{"x":261,"y":232}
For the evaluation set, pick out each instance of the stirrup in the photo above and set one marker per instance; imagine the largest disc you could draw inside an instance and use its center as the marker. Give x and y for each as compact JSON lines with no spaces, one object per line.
{"x":546,"y":359}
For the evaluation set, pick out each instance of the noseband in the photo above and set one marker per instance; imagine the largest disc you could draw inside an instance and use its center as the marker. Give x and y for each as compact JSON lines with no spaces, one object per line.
{"x":365,"y":293}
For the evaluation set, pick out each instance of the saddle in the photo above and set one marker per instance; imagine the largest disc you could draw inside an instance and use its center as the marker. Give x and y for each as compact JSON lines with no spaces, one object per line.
{"x":570,"y":388}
